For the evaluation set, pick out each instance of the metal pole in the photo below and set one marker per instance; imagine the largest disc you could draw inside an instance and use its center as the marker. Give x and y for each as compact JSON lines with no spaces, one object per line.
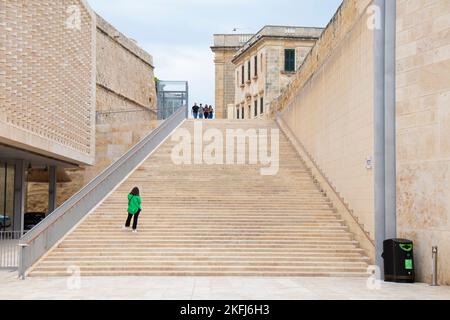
{"x":379,"y":134}
{"x":390,"y":119}
{"x":52,"y":189}
{"x":19,"y":195}
{"x":434,"y":281}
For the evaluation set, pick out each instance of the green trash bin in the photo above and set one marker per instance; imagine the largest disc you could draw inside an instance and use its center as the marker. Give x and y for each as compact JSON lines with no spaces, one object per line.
{"x":398,"y":255}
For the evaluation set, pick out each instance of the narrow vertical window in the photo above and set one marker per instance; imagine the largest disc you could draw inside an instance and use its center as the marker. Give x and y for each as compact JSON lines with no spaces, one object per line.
{"x":237,"y":113}
{"x":243,"y":113}
{"x":243,"y":74}
{"x":261,"y":105}
{"x":256,"y":65}
{"x":289,"y":60}
{"x":256,"y":108}
{"x":249,"y":70}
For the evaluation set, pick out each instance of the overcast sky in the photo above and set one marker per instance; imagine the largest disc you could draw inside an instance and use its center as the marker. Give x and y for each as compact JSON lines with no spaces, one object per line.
{"x":179,"y":33}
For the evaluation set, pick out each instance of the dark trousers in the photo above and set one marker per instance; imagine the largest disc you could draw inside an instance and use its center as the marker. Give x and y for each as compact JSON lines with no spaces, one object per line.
{"x":135,"y":219}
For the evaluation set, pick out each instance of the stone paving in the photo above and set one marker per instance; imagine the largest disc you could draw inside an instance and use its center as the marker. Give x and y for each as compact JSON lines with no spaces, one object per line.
{"x":212,"y":288}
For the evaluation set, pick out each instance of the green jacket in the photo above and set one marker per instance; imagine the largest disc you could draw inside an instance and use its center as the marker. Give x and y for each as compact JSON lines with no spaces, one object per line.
{"x":134,"y":203}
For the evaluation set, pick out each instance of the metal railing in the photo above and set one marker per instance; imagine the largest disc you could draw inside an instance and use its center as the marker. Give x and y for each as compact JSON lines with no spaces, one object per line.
{"x":57,"y":224}
{"x":9,"y":249}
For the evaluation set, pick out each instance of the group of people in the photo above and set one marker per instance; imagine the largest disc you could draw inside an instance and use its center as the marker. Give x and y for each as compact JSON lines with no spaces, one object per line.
{"x":200,"y":112}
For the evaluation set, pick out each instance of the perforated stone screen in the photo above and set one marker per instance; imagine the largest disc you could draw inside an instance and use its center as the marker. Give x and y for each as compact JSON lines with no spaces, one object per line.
{"x":47,"y":77}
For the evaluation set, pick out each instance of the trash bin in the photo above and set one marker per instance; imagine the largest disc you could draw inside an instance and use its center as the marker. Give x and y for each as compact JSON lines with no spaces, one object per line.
{"x":398,"y":255}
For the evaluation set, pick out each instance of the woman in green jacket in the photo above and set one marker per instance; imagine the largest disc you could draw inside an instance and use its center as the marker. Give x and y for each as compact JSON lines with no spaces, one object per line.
{"x":134,"y":208}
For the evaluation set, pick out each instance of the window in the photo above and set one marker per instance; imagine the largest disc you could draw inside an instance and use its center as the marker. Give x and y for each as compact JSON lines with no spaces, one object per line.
{"x":289,"y":60}
{"x":243,"y":113}
{"x":261,"y":105}
{"x":249,"y":70}
{"x":261,"y":62}
{"x":237,"y":113}
{"x":256,"y":65}
{"x":256,"y":108}
{"x":243,"y":75}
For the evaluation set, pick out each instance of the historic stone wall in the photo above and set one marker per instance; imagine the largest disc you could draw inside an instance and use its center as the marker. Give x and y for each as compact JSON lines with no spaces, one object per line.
{"x":47,"y":78}
{"x":423,"y":131}
{"x":224,"y":48}
{"x":329,"y":108}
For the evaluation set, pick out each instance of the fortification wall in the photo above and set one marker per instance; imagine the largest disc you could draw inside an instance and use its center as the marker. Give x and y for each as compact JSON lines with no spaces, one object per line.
{"x":328,"y":107}
{"x":423,"y":131}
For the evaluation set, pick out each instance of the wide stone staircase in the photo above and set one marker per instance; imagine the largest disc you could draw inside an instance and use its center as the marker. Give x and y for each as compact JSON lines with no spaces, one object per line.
{"x":213,"y":220}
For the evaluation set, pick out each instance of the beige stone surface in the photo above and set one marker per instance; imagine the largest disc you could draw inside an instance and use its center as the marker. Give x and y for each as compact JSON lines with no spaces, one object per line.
{"x":47,"y":78}
{"x":423,"y":131}
{"x":213,"y":288}
{"x":330,"y":111}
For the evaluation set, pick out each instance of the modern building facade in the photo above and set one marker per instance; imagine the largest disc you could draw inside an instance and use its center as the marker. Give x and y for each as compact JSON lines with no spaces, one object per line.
{"x":266,"y":64}
{"x":75,"y":94}
{"x":47,"y":95}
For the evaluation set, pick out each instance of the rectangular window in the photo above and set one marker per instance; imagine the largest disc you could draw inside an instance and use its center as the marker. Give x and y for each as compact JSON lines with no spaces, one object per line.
{"x":262,"y":105}
{"x":249,"y":71}
{"x":243,"y":113}
{"x":256,"y":65}
{"x":256,"y":108}
{"x":237,"y":113}
{"x":243,"y":75}
{"x":289,"y":60}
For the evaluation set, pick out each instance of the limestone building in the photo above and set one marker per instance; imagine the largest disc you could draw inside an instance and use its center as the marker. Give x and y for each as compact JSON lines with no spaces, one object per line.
{"x":224,"y":48}
{"x":75,"y":94}
{"x":266,"y":64}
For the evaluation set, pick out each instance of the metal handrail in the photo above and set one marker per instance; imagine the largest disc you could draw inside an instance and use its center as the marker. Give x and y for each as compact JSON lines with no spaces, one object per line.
{"x":49,"y":231}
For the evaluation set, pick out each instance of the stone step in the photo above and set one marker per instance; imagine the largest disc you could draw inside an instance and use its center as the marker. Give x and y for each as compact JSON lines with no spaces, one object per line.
{"x":210,"y":263}
{"x":81,"y":256}
{"x":246,"y":224}
{"x":180,"y":273}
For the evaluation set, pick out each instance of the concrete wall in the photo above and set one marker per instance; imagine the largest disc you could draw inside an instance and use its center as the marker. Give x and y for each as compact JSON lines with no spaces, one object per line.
{"x":329,"y":108}
{"x":423,"y":131}
{"x":47,"y":78}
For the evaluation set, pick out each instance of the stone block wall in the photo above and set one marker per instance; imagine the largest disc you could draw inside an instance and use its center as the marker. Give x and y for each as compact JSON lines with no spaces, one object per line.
{"x":423,"y":131}
{"x":329,"y":108}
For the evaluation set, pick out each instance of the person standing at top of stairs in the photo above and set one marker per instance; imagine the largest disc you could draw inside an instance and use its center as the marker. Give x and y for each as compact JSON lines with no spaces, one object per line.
{"x":134,"y":208}
{"x":206,"y":112}
{"x":200,"y":111}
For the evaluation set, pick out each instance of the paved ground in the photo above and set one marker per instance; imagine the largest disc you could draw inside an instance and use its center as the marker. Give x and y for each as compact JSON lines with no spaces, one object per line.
{"x":226,"y":288}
